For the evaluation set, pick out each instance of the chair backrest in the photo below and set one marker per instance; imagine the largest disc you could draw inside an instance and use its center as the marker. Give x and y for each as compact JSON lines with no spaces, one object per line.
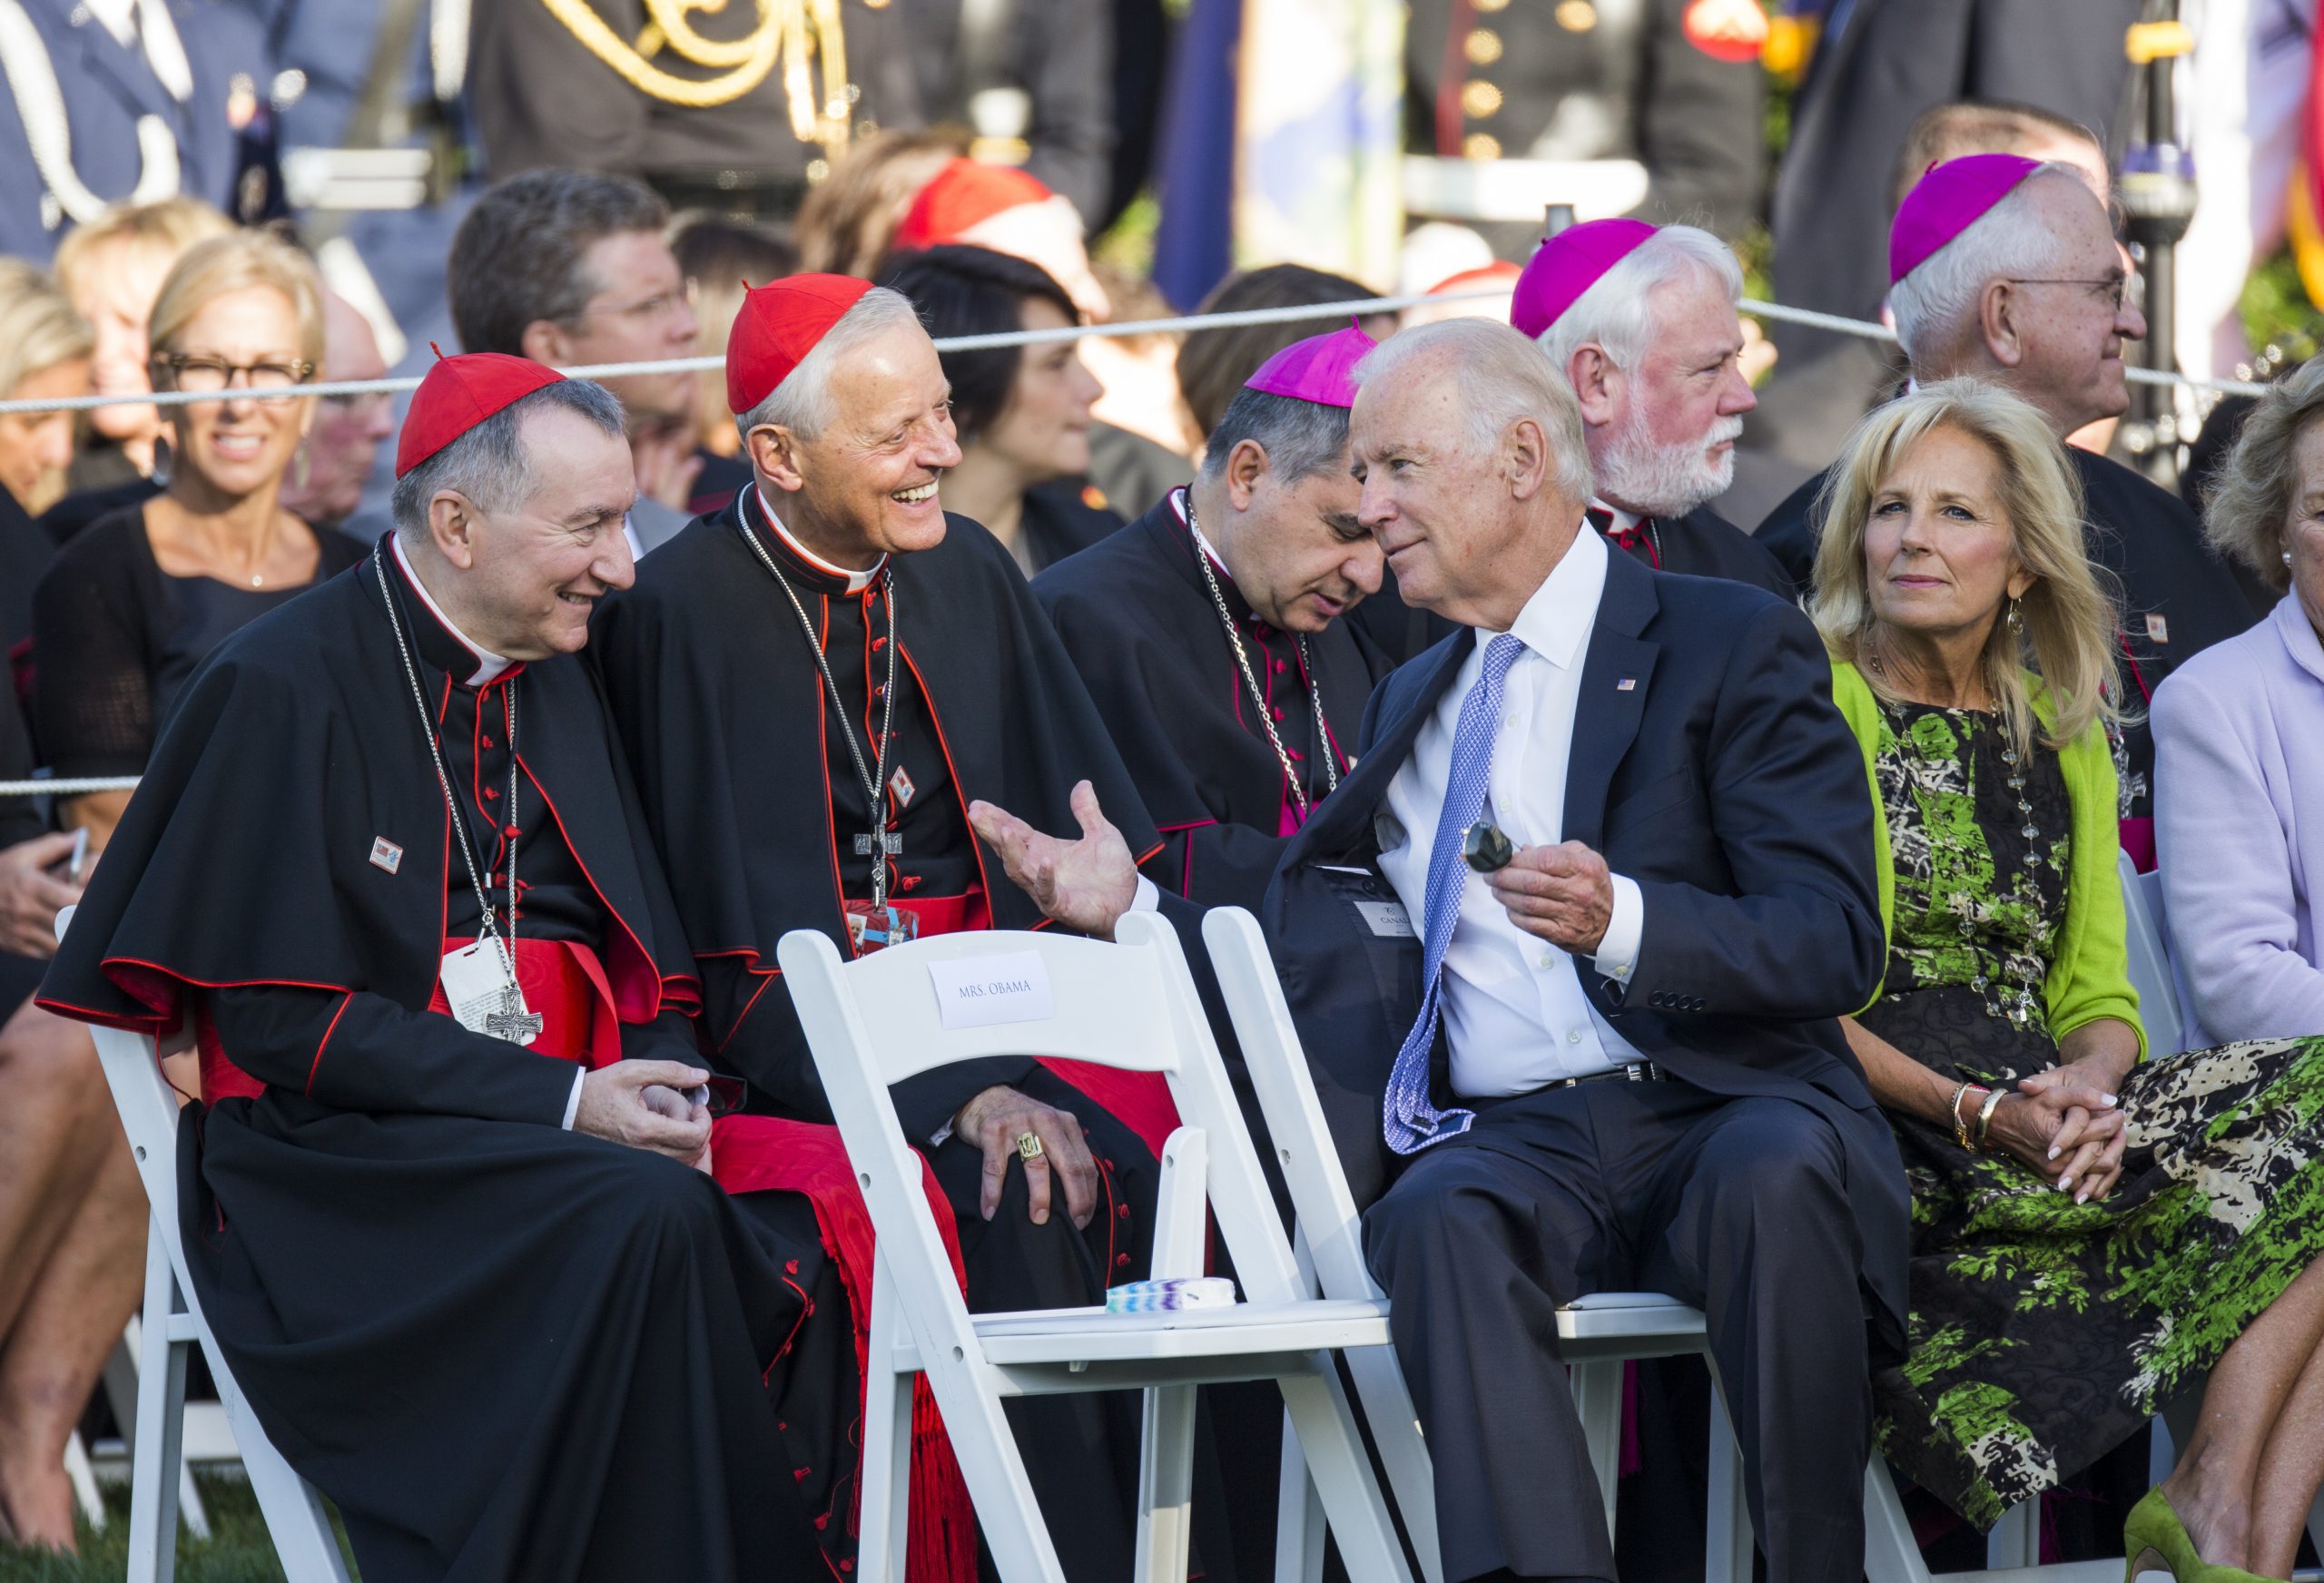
{"x":908,"y":1008}
{"x":1301,"y":1138}
{"x":2149,"y":960}
{"x":149,"y":1113}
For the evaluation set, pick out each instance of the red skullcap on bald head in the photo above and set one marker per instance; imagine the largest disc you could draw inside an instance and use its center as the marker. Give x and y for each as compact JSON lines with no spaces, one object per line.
{"x":458,"y":394}
{"x":778,"y":326}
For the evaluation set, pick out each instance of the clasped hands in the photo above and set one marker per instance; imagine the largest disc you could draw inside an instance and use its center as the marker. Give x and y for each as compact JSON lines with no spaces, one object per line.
{"x":2066,"y":1125}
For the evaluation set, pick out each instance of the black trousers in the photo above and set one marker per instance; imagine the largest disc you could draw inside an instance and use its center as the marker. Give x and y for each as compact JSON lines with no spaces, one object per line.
{"x":1735,"y":1205}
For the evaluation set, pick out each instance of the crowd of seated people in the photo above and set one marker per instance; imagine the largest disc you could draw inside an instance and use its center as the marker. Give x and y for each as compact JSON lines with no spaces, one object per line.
{"x":1804,"y":995}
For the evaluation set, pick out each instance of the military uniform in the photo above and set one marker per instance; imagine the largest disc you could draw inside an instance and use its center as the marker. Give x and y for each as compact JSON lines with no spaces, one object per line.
{"x":103,"y":121}
{"x":542,"y":96}
{"x":1588,"y":80}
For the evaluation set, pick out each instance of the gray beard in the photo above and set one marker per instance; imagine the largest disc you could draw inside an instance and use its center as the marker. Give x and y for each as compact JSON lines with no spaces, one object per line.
{"x":1665,"y":480}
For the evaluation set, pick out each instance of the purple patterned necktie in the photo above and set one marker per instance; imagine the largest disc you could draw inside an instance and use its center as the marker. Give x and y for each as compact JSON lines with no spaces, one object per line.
{"x":1408,"y":1121}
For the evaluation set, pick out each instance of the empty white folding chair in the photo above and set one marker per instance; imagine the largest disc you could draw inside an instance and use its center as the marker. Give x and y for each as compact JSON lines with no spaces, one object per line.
{"x":171,"y":1326}
{"x":1129,"y":1005}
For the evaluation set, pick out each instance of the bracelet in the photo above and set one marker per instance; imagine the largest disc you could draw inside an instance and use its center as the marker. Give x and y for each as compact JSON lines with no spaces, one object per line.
{"x":1985,"y":1115}
{"x":1960,"y":1122}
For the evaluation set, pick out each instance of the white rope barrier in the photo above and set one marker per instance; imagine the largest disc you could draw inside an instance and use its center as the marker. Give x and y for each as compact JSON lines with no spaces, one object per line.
{"x":80,"y":787}
{"x":1358,"y":307}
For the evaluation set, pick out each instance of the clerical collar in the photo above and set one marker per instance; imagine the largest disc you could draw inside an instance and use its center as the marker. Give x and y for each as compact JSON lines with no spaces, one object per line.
{"x":808,"y":560}
{"x":483,"y":666}
{"x":1624,"y":521}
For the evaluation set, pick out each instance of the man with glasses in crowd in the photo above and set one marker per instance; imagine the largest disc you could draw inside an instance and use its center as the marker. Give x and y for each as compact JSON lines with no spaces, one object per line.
{"x":333,"y":466}
{"x":570,"y":269}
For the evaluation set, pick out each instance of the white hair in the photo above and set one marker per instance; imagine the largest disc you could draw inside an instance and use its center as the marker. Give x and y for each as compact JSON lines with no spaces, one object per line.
{"x":802,"y":403}
{"x":1617,"y":314}
{"x":1936,"y":302}
{"x":1503,"y":378}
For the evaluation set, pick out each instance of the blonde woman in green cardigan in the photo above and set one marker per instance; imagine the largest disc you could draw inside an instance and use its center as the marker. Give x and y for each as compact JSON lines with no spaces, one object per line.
{"x":2095,"y":1228}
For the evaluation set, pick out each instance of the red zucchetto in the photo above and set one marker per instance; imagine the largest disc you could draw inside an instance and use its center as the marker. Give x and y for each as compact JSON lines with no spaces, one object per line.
{"x":1320,"y":369}
{"x":1568,"y":264}
{"x":459,"y":393}
{"x":963,"y":196}
{"x":778,"y":326}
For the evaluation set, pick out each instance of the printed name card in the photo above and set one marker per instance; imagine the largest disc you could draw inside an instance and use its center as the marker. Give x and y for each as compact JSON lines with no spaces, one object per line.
{"x":984,"y":991}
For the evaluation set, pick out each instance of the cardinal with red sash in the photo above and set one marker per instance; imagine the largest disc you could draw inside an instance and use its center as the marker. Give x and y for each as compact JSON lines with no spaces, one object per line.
{"x":443,"y":1191}
{"x":813,"y":685}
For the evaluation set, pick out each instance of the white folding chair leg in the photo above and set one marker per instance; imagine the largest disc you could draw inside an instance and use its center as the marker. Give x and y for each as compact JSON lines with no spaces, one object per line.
{"x":1726,"y":1527}
{"x":1324,"y":1426}
{"x":155,"y":1440}
{"x":2016,"y":1539}
{"x":1598,"y":1402}
{"x":83,"y":1479}
{"x":121,"y":1393}
{"x":1166,"y":1437}
{"x":1299,"y":1525}
{"x":885,"y":1512}
{"x":1891,"y":1554}
{"x":1396,"y":1431}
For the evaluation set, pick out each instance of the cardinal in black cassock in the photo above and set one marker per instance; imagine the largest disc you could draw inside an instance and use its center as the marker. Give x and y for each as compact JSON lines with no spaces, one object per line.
{"x":813,"y":684}
{"x":504,"y":1343}
{"x":1662,"y":426}
{"x":1208,"y":630}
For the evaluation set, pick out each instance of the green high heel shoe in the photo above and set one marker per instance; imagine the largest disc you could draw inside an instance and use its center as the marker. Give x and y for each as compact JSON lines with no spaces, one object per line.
{"x":2154,"y":1529}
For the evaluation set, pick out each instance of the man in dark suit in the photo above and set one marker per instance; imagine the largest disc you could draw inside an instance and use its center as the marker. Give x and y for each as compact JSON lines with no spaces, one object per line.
{"x":1616,"y":1063}
{"x":1613,"y":1064}
{"x":1641,"y":322}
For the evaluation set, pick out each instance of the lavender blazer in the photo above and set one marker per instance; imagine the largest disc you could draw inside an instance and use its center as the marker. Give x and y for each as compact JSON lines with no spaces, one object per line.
{"x":2239,"y":739}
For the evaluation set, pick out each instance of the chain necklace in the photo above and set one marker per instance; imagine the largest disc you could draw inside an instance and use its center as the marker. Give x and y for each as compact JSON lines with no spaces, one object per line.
{"x":512,"y":1021}
{"x":1202,"y":554}
{"x":2019,"y":1005}
{"x":880,"y":844}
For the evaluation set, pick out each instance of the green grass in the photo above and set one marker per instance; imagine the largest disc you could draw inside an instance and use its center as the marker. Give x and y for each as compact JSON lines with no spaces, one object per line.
{"x":237,"y":1551}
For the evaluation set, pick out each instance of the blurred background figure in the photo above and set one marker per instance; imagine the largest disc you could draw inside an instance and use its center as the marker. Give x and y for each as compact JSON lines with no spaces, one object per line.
{"x":112,"y":102}
{"x":1213,"y":364}
{"x":1876,"y":66}
{"x":1008,"y":211}
{"x":130,"y":609}
{"x":1022,"y":413}
{"x":721,"y":258}
{"x":44,"y":350}
{"x":1031,"y":79}
{"x":570,"y":269}
{"x":1143,"y":442}
{"x":111,"y":267}
{"x":333,"y":466}
{"x":1662,"y":101}
{"x":848,"y":220}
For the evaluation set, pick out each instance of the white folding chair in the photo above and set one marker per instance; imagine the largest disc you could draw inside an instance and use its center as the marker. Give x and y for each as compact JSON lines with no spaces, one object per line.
{"x":171,"y":1326}
{"x":1130,"y":1005}
{"x":2160,"y":1008}
{"x":1596,"y":1335}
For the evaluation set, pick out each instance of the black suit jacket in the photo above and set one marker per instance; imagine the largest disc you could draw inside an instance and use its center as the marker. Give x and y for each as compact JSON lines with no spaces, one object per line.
{"x":1725,"y":783}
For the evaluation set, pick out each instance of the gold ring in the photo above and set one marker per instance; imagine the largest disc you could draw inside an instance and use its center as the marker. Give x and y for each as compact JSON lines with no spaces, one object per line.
{"x":1028,"y":1145}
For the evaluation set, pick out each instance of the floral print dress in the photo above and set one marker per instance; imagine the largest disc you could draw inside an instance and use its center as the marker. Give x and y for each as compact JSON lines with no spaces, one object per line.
{"x":2044,"y":1333}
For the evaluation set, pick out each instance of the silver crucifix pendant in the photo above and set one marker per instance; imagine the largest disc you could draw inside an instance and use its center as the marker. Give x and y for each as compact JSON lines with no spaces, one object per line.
{"x":512,"y":1021}
{"x":893,"y":840}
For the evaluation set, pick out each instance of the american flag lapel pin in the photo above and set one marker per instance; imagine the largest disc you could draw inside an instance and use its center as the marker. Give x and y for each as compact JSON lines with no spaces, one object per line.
{"x":1626,"y":685}
{"x":386,"y":855}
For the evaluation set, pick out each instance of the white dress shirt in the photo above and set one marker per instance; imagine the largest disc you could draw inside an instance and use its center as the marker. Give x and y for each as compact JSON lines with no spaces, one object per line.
{"x":1515,"y":1015}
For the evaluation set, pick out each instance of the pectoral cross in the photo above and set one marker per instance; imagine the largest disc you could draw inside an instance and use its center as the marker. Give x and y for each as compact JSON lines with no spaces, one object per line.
{"x":893,"y":842}
{"x":512,"y":1021}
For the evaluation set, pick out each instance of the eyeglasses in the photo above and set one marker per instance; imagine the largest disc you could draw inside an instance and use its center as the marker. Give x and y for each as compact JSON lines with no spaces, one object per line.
{"x":661,"y":304}
{"x":2113,"y":291}
{"x":204,"y":375}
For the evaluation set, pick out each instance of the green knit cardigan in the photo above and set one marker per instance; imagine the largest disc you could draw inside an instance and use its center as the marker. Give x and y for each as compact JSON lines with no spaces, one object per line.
{"x":2090,"y":978}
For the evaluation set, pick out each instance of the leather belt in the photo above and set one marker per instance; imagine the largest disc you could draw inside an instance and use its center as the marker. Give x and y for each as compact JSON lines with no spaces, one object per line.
{"x":1630,"y":1072}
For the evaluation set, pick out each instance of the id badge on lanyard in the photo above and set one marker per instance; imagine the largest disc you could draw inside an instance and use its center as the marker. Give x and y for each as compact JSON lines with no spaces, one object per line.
{"x":870,"y":929}
{"x":481,"y":986}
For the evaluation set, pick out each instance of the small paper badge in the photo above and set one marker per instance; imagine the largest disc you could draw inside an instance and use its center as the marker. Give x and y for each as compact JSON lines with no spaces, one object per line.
{"x":1626,"y":685}
{"x":899,"y":788}
{"x":386,"y":855}
{"x":2157,"y":629}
